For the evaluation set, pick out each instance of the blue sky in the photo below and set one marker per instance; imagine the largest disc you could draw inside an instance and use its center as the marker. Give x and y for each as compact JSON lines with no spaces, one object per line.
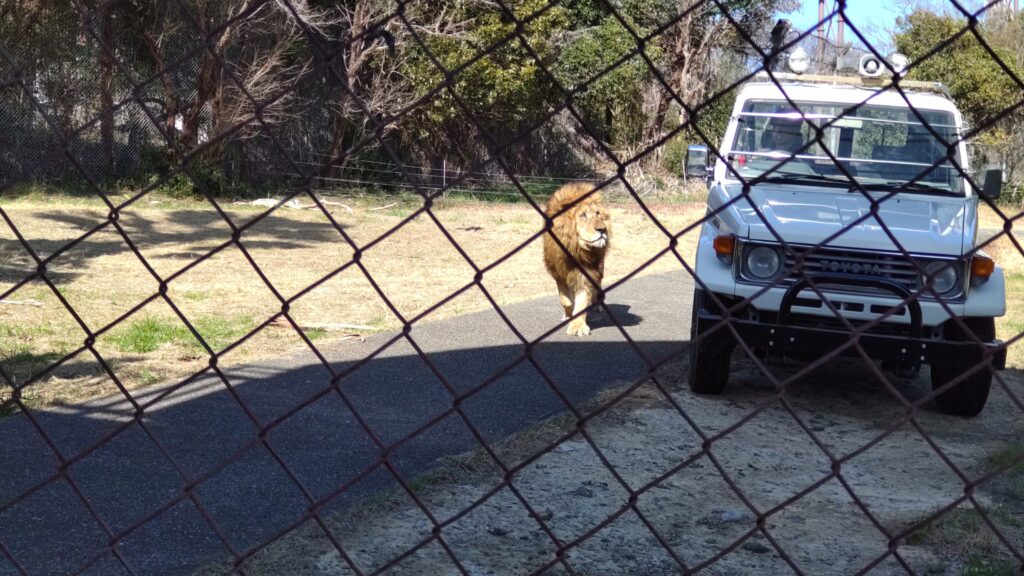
{"x":874,"y":18}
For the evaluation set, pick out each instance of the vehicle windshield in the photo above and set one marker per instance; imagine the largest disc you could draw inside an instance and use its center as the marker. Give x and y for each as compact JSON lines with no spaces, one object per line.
{"x":881,"y":147}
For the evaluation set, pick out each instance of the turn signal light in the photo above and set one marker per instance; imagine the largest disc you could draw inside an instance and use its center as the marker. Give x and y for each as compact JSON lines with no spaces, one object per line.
{"x":982,"y":268}
{"x":725,"y":244}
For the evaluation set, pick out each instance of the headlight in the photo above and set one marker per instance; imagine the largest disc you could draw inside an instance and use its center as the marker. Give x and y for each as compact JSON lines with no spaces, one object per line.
{"x":943,"y":276}
{"x":763,"y":262}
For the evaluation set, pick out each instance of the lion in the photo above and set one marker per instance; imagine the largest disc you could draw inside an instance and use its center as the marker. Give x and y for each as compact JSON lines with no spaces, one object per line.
{"x":583,"y":227}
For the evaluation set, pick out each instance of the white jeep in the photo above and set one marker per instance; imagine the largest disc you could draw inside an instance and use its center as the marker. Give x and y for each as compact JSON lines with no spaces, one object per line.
{"x":837,"y":217}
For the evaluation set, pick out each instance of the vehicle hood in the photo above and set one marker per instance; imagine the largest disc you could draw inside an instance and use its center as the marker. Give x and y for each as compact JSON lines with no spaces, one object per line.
{"x":921,"y":224}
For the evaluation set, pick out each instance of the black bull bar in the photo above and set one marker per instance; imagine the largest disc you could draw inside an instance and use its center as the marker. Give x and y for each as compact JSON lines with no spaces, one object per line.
{"x":911,"y":350}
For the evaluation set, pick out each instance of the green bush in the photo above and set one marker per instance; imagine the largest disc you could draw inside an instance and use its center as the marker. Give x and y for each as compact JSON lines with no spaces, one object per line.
{"x":674,"y":154}
{"x":1013,"y":195}
{"x":201,"y":178}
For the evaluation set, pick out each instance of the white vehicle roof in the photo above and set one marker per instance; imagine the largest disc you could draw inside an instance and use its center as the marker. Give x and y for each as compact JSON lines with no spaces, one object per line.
{"x":846,"y":91}
{"x":849,"y":94}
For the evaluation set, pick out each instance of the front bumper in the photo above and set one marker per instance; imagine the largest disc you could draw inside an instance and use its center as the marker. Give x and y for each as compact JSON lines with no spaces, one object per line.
{"x":782,"y":336}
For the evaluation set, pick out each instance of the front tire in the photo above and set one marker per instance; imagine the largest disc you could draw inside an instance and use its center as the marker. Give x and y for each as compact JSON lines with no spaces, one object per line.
{"x":709,"y":358}
{"x":968,"y":397}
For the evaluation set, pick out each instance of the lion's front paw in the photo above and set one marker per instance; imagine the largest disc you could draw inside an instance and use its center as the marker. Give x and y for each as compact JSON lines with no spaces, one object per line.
{"x":578,"y":329}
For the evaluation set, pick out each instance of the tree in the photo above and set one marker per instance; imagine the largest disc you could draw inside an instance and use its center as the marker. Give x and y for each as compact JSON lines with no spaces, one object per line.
{"x":981,"y":87}
{"x":700,"y":46}
{"x":253,"y":54}
{"x":505,"y":90}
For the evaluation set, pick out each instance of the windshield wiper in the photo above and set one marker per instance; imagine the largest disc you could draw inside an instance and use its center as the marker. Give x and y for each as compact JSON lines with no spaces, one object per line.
{"x":786,"y":178}
{"x":900,"y":186}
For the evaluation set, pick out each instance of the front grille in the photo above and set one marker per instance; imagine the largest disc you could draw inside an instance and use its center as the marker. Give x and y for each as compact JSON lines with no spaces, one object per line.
{"x":895,"y":267}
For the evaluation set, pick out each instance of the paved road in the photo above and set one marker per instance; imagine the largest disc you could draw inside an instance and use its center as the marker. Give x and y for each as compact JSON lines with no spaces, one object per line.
{"x":323,"y":445}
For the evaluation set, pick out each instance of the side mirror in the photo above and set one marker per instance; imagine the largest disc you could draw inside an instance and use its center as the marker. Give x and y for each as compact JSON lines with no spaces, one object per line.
{"x":993,"y":183}
{"x":696,"y":161}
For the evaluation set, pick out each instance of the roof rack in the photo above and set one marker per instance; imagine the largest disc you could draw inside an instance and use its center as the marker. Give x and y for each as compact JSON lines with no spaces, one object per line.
{"x":856,"y":81}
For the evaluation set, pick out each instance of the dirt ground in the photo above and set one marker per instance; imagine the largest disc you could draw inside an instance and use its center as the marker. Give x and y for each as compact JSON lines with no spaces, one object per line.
{"x":415,"y":267}
{"x":778,"y":469}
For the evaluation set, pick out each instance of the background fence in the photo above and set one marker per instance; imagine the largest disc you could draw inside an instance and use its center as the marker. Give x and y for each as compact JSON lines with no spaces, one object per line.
{"x":318,"y":92}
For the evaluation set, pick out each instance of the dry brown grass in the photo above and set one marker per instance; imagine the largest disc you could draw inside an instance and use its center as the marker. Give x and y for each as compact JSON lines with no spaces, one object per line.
{"x":415,"y":267}
{"x":1009,"y":257}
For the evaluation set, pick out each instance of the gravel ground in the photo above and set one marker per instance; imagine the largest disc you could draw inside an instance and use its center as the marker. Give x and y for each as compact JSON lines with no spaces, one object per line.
{"x":813,"y":525}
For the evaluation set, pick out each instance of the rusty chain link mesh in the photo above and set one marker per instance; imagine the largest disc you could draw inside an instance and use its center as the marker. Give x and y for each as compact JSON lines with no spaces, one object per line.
{"x":184,"y":486}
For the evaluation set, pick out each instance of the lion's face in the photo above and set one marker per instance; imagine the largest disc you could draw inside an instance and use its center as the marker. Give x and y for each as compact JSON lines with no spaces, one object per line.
{"x":593,"y":225}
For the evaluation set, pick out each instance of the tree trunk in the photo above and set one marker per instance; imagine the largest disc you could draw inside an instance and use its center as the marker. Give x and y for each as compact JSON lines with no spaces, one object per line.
{"x":106,"y":88}
{"x":336,"y":154}
{"x":210,"y":83}
{"x":678,"y":56}
{"x":170,"y":99}
{"x":206,"y":85}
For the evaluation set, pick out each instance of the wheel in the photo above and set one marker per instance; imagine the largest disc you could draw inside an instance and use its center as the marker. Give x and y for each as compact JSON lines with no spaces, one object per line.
{"x":709,"y":358}
{"x":969,"y":396}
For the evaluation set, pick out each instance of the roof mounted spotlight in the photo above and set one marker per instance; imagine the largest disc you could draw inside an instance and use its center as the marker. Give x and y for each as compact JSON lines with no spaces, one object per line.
{"x":870,"y":66}
{"x":799,"y":60}
{"x":899,"y":63}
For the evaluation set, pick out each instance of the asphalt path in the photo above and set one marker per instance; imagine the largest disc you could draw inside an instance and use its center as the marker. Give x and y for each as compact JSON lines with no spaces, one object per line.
{"x":158,"y":496}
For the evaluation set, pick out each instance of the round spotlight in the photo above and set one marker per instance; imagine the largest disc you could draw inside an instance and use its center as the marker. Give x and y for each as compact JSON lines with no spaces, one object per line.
{"x":899,"y":63}
{"x":870,"y":66}
{"x":799,"y":60}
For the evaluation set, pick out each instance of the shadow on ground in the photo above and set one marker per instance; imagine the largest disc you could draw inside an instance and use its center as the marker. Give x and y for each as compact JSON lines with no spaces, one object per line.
{"x":211,"y":451}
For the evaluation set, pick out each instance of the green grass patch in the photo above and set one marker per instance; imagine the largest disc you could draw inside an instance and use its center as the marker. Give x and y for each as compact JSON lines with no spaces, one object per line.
{"x":315,"y":333}
{"x":1014,"y":327}
{"x":981,"y":566}
{"x":73,"y":192}
{"x":963,"y":533}
{"x":380,"y":319}
{"x":1012,"y":457}
{"x":1012,"y":324}
{"x":220,"y":332}
{"x":503,"y":194}
{"x":950,"y":529}
{"x":194,"y":296}
{"x":23,"y":332}
{"x":148,"y":378}
{"x":150,"y":333}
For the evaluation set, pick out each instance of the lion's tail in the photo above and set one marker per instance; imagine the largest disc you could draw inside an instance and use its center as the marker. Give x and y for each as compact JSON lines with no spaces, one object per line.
{"x":569,"y":194}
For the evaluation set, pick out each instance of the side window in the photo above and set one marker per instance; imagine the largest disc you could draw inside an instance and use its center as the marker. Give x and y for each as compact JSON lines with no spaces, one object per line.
{"x":747,"y":133}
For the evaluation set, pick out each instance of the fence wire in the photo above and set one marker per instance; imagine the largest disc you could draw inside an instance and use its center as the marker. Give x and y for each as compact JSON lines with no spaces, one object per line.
{"x":119,"y":552}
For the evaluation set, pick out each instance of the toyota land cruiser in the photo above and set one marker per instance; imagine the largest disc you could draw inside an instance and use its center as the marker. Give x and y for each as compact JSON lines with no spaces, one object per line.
{"x":839,"y":216}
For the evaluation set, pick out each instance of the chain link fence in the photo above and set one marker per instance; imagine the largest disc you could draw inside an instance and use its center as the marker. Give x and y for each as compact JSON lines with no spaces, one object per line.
{"x":53,"y":522}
